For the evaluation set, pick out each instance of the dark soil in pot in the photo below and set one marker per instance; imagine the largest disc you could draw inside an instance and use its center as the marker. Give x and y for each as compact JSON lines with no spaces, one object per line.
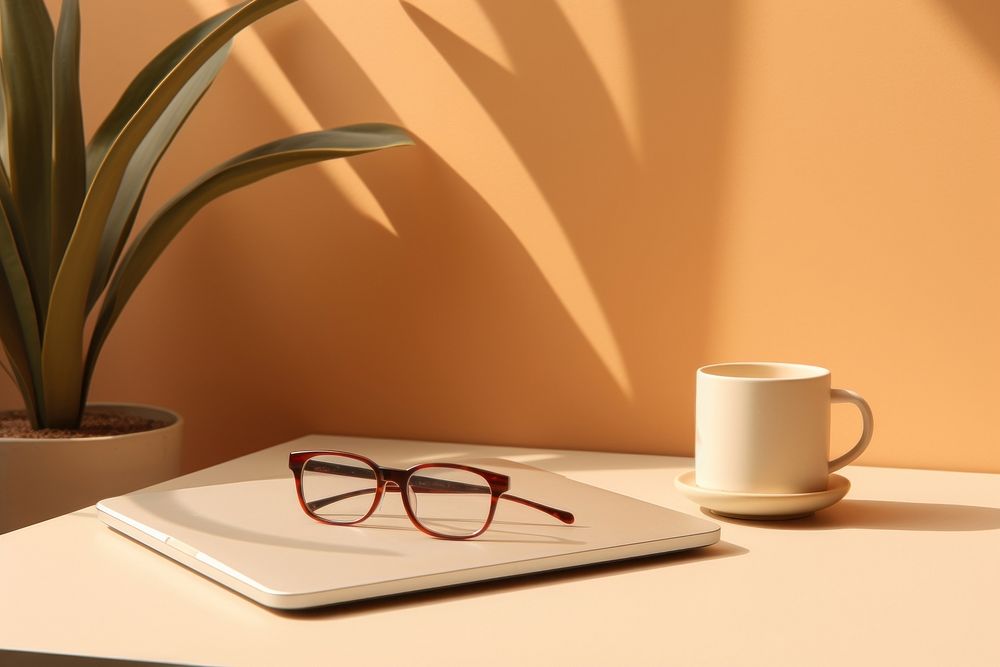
{"x":96,"y":422}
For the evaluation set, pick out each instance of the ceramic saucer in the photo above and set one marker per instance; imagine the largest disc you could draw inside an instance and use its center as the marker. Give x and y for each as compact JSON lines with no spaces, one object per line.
{"x":762,"y":506}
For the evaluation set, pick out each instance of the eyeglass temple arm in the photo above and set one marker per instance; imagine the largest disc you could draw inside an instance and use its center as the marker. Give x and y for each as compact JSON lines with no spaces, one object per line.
{"x":430,"y":485}
{"x":562,"y":515}
{"x":314,"y":505}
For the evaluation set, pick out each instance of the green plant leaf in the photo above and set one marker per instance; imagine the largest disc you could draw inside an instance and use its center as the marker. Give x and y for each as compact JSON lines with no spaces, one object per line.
{"x":19,"y":329}
{"x":26,"y":35}
{"x":4,"y":151}
{"x":141,"y":166}
{"x":13,"y":346}
{"x":69,"y":162}
{"x":242,"y":170}
{"x":62,"y":353}
{"x":6,"y":369}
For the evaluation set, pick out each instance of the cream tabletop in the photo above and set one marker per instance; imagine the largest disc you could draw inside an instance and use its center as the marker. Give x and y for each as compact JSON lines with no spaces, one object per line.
{"x":905,"y":570}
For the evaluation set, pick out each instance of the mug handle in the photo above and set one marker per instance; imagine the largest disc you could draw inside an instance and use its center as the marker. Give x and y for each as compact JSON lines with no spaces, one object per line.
{"x":845,"y":396}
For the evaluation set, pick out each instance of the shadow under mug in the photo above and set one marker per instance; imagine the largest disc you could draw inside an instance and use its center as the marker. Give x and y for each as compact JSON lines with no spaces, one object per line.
{"x":764,"y":427}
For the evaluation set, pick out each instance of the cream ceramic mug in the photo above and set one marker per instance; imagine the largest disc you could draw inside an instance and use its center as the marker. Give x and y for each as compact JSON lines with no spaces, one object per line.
{"x":764,"y":427}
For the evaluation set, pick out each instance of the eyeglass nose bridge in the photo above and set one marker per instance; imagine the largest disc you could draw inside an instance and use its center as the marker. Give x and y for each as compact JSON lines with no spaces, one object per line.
{"x":394,"y":477}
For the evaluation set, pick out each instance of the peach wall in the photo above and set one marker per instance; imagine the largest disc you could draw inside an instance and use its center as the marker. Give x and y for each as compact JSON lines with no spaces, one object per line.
{"x":605,"y":196}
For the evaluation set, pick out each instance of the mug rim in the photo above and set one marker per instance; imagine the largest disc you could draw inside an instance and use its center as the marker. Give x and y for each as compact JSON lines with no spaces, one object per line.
{"x":796,"y":371}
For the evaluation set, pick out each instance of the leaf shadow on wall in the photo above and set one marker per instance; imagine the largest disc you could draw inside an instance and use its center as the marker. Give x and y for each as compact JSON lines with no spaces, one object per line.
{"x":642,"y":224}
{"x":979,"y":20}
{"x":456,"y":334}
{"x":491,"y":353}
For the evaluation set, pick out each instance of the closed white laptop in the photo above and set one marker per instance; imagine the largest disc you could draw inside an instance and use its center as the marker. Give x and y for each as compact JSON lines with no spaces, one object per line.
{"x":254,"y":537}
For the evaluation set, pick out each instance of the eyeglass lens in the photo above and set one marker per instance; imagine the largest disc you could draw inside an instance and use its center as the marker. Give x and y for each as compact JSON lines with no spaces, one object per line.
{"x":338,"y":489}
{"x":449,"y":501}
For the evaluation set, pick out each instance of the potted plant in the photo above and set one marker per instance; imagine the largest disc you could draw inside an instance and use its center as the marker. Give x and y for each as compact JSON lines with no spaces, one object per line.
{"x":67,"y":210}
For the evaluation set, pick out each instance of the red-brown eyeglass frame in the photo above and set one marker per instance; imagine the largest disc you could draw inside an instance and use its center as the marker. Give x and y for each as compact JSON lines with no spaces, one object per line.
{"x":396,"y":480}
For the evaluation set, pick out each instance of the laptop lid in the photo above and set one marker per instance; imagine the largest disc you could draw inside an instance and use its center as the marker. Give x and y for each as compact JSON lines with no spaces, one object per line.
{"x":254,"y":538}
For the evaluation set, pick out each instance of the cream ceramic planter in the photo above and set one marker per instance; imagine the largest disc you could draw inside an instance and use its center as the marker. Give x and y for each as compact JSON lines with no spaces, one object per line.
{"x":43,"y":478}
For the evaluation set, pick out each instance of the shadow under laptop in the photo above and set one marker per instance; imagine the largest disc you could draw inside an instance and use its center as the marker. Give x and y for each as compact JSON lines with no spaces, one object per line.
{"x":721,"y":549}
{"x":10,"y":658}
{"x":886,"y":515}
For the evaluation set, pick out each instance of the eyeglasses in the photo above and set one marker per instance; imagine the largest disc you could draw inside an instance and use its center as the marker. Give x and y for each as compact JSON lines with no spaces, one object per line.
{"x":446,"y":500}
